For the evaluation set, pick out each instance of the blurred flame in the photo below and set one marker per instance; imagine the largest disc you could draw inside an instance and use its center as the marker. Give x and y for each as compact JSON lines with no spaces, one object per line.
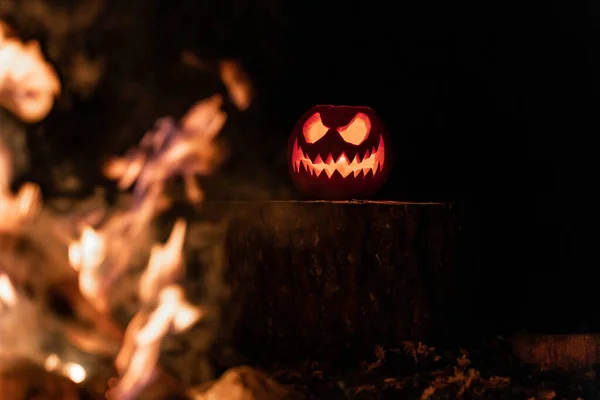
{"x":52,"y":362}
{"x":73,"y":371}
{"x":8,"y":296}
{"x":86,"y":256}
{"x":28,"y":83}
{"x":15,"y":209}
{"x":139,"y":355}
{"x":101,"y":254}
{"x":187,"y":149}
{"x":173,"y":313}
{"x":164,"y":264}
{"x":237,"y":82}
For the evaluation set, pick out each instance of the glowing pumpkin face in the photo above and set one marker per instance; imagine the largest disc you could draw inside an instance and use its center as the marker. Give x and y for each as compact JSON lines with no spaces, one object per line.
{"x":339,"y":152}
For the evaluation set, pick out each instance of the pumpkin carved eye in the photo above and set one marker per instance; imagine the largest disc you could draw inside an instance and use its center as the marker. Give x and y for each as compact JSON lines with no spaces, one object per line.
{"x":357,"y":130}
{"x":314,"y":129}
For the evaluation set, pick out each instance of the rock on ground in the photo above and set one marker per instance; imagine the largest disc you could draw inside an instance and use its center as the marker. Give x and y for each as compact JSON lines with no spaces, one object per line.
{"x":244,"y":383}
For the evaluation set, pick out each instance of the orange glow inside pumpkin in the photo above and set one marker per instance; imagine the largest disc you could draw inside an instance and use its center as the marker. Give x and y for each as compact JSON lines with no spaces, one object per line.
{"x":373,"y":160}
{"x":357,"y":130}
{"x":314,"y":129}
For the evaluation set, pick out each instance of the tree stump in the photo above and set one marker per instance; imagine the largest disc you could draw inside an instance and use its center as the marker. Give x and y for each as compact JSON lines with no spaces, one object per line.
{"x":321,"y":277}
{"x":562,"y":352}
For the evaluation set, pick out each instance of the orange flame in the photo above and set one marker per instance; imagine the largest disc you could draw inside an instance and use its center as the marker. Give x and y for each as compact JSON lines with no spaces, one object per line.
{"x":28,"y":87}
{"x":8,"y":296}
{"x":164,"y":264}
{"x":187,"y":149}
{"x":237,"y":82}
{"x":28,"y":83}
{"x":86,"y":256}
{"x":15,"y":209}
{"x":139,"y":355}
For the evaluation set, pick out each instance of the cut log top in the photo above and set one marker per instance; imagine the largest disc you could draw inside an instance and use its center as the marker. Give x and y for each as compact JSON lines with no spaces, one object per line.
{"x":383,"y":202}
{"x":238,"y":208}
{"x":316,"y":214}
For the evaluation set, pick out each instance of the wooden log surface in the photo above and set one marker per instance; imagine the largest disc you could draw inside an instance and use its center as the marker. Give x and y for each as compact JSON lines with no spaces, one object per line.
{"x":560,"y":352}
{"x":321,"y":277}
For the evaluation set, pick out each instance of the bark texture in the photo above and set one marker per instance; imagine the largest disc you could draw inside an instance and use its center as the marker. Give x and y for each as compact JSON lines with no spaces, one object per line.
{"x":322,"y":277}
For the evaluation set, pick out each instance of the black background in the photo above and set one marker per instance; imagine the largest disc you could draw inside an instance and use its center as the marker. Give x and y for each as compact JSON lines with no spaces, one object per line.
{"x":492,"y":105}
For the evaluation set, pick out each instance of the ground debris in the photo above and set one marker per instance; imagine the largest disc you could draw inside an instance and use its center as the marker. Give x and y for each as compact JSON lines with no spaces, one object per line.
{"x":417,"y":371}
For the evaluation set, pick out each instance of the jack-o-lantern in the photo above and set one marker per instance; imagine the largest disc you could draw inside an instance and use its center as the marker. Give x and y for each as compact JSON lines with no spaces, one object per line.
{"x":339,"y":152}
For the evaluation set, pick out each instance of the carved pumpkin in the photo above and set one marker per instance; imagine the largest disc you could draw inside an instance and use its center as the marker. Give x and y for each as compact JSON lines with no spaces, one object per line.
{"x":339,"y":152}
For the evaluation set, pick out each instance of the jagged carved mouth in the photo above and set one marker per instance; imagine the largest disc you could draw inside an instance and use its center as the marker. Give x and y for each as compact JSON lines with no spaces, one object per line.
{"x":372,"y":160}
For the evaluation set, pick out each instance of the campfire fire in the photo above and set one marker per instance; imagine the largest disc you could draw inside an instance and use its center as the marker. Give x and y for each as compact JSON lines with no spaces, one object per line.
{"x":28,"y":83}
{"x":105,"y":243}
{"x":8,"y":296}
